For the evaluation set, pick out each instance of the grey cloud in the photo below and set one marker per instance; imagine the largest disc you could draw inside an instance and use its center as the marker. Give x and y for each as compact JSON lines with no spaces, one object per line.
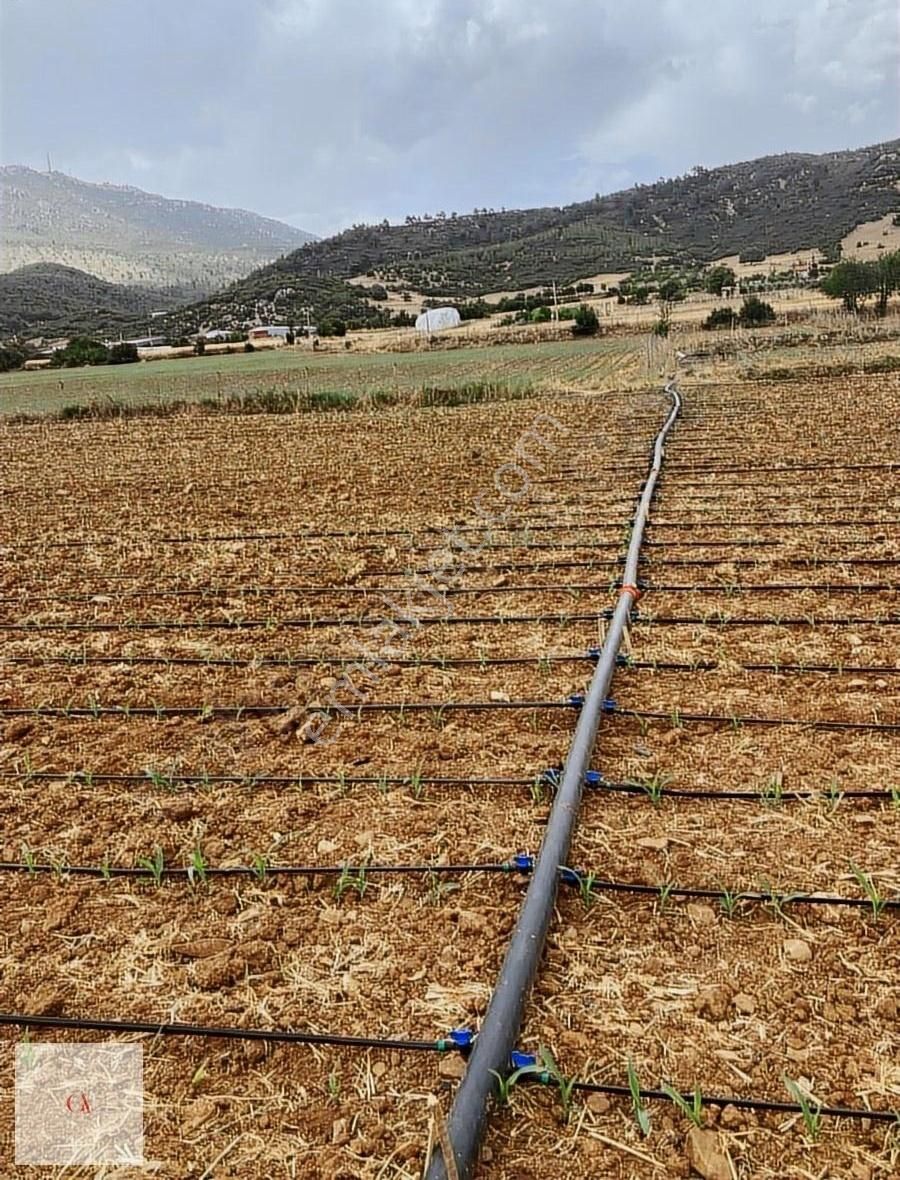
{"x":332,"y":111}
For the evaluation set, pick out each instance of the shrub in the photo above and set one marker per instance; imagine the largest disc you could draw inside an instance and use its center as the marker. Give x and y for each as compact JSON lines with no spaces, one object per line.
{"x":123,"y":354}
{"x":671,"y":290}
{"x":80,"y":351}
{"x":755,"y":312}
{"x":12,"y":358}
{"x":718,"y":277}
{"x":721,"y":317}
{"x":585,"y":322}
{"x":540,"y":315}
{"x":332,"y":327}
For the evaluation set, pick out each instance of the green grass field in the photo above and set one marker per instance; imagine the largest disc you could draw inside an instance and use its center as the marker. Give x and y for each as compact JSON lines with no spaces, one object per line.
{"x":578,"y":363}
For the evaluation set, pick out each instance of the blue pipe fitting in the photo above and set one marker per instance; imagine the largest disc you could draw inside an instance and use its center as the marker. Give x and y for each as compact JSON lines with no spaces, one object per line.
{"x":576,"y":700}
{"x":522,"y":1060}
{"x":522,"y":862}
{"x":569,"y":876}
{"x":460,"y":1039}
{"x":593,"y":778}
{"x":609,"y":705}
{"x":551,"y":776}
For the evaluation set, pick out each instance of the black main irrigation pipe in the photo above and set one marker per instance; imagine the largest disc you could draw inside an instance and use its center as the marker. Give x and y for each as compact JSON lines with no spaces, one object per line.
{"x":500,"y":1028}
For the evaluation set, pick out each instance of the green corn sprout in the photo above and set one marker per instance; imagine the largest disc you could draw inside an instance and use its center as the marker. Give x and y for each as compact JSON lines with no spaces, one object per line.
{"x":810,"y":1111}
{"x":259,"y":866}
{"x":554,"y":1074}
{"x":640,"y":1112}
{"x":154,"y":864}
{"x":349,"y":880}
{"x":692,"y":1110}
{"x":870,"y":889}
{"x":197,"y":869}
{"x":729,"y":902}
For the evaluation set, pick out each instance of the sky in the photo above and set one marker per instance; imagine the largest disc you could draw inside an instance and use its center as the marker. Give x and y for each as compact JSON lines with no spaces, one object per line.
{"x":324,"y":113}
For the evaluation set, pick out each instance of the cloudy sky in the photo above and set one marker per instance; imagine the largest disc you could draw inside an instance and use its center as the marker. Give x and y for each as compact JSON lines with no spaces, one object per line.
{"x":327,"y":112}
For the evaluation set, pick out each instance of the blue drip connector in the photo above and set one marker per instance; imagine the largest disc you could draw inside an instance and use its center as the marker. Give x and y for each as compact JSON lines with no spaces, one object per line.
{"x":576,"y":700}
{"x":551,"y":776}
{"x":521,"y":1060}
{"x":609,"y":705}
{"x":593,"y":778}
{"x":569,"y":876}
{"x":458,"y":1038}
{"x":522,"y":862}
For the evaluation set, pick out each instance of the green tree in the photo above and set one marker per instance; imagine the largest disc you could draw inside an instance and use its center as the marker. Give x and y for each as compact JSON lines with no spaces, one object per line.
{"x":12,"y":358}
{"x":721,"y":317}
{"x":123,"y":354}
{"x":671,"y":290}
{"x":718,"y":277}
{"x":755,"y":313}
{"x":540,"y":315}
{"x":81,"y":350}
{"x":885,"y":279}
{"x":332,"y":327}
{"x":585,"y":322}
{"x":851,"y":281}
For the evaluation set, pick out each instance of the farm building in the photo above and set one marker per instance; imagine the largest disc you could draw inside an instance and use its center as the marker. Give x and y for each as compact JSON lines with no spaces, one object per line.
{"x":438,"y":319}
{"x":265,"y":331}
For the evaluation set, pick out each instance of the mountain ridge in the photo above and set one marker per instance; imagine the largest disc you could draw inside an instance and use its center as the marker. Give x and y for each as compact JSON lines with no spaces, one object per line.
{"x":124,"y":234}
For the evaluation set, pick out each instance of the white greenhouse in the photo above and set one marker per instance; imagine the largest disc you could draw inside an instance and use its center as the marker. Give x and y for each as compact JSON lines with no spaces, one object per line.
{"x":438,"y":319}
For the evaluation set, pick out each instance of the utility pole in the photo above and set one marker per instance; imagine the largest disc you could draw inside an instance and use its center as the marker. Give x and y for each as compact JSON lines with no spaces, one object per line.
{"x":555,"y":304}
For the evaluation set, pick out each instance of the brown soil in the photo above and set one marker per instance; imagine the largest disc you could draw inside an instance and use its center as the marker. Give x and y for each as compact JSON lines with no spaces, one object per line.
{"x":687,"y":993}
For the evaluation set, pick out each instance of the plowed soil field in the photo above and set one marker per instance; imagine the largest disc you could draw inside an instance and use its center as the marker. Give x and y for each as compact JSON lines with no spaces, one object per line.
{"x":308,"y":650}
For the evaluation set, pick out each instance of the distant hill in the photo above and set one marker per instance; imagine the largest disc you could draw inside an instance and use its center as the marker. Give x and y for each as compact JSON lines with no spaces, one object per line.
{"x":125,"y":235}
{"x":49,"y":300}
{"x":767,"y":206}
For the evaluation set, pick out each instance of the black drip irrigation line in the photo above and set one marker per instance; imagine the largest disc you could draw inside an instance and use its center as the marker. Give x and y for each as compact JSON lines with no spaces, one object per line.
{"x":772,"y":1106}
{"x":257,"y":710}
{"x":437,"y":532}
{"x":765,"y":522}
{"x":754,"y":621}
{"x":80,"y":659}
{"x":339,"y":591}
{"x":262,"y":870}
{"x":676,"y":717}
{"x":500,"y":1028}
{"x":165,"y":781}
{"x":520,"y":865}
{"x":768,"y":587}
{"x":168,"y":783}
{"x":738,"y":897}
{"x":226,"y":1032}
{"x":560,"y":618}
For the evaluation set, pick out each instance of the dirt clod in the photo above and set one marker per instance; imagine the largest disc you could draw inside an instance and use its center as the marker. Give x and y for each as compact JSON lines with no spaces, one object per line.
{"x":797,"y":950}
{"x":706,"y":1156}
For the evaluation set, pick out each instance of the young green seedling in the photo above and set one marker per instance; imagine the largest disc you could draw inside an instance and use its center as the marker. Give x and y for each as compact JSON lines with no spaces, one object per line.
{"x":729,"y":902}
{"x":349,"y":880}
{"x":810,"y":1111}
{"x":665,"y":892}
{"x":640,"y":1112}
{"x":29,"y":858}
{"x":505,"y":1085}
{"x":870,"y":889}
{"x":197,"y":869}
{"x":692,"y":1110}
{"x":155,"y":865}
{"x":259,"y":866}
{"x":564,"y":1085}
